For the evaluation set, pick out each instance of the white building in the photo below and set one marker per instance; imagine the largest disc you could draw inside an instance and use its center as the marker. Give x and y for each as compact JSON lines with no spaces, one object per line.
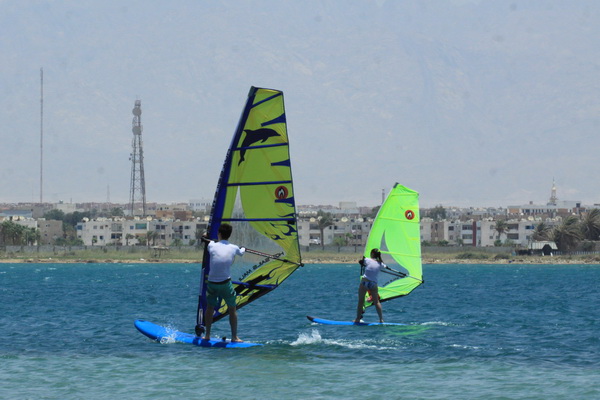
{"x":67,"y":208}
{"x":121,"y":231}
{"x":355,"y":230}
{"x":186,"y":230}
{"x":101,"y":231}
{"x":203,"y":205}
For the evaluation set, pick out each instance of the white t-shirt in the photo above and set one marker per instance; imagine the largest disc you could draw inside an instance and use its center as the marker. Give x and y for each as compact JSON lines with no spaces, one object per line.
{"x":372,"y":268}
{"x":222,"y":254}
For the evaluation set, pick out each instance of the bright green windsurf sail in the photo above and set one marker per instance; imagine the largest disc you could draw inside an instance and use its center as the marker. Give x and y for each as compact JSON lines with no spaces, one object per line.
{"x":255,"y":195}
{"x":396,"y":233}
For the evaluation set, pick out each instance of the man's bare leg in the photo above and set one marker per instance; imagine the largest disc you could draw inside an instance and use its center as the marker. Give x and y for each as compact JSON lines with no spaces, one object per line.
{"x":233,"y":320}
{"x":208,"y":319}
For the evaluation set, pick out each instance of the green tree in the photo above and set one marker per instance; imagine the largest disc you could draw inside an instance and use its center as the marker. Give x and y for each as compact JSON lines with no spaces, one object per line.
{"x":373,"y":212}
{"x":6,"y":229}
{"x":568,"y":234}
{"x":69,"y":233}
{"x":117,"y":212}
{"x":437,"y":213}
{"x":60,"y":241}
{"x":340,"y":241}
{"x":590,"y":224}
{"x":155,"y":236}
{"x":14,"y":232}
{"x":324,"y":220}
{"x":73,"y":218}
{"x":57,"y":215}
{"x":542,"y":232}
{"x":31,"y":236}
{"x":177,"y":242}
{"x":501,"y":227}
{"x":151,"y":237}
{"x":128,"y":237}
{"x":142,"y":240}
{"x":509,"y":243}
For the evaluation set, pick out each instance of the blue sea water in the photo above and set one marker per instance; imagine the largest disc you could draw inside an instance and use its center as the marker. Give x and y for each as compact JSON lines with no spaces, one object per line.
{"x":474,"y":332}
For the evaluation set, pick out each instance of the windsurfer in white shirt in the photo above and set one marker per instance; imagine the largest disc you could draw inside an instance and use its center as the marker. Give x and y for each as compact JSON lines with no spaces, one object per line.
{"x":219,"y":286}
{"x":368,"y":283}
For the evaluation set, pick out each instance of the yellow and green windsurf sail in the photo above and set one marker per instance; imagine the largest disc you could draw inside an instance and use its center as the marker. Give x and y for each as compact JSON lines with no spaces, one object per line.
{"x":255,"y":194}
{"x":396,"y":233}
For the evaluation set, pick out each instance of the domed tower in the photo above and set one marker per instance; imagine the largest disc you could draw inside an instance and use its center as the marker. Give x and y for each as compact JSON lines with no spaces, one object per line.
{"x":553,"y":199}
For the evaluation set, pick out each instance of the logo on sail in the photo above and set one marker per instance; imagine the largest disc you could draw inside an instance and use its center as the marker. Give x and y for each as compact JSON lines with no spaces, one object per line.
{"x":409,"y":214}
{"x":281,"y":192}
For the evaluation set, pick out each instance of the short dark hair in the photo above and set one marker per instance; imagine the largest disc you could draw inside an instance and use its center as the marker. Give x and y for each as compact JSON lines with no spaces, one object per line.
{"x":225,"y":230}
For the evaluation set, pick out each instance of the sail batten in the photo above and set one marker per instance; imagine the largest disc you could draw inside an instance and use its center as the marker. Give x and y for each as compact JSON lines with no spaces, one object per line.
{"x":267,"y":99}
{"x":255,"y":195}
{"x":257,"y":183}
{"x":265,"y":146}
{"x":253,"y":219}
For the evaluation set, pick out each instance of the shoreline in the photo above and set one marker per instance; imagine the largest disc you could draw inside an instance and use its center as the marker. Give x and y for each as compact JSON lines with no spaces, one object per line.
{"x":324,"y":259}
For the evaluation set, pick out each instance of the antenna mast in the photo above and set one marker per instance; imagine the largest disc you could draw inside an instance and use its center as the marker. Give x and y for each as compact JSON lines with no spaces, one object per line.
{"x":108,"y":196}
{"x":41,"y":135}
{"x":138,"y":184}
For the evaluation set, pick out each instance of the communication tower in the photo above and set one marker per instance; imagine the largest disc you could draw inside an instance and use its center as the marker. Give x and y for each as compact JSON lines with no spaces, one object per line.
{"x":137,"y":194}
{"x":41,"y":135}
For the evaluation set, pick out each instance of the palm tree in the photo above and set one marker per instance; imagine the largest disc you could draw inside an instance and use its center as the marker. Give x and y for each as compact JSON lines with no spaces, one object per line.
{"x":542,"y":232}
{"x":590,"y":225}
{"x":16,"y":233}
{"x":340,"y":241}
{"x":324,"y":220}
{"x":142,"y":240}
{"x":568,"y":234}
{"x":128,"y":237}
{"x":31,"y":236}
{"x":151,"y":236}
{"x":69,"y":232}
{"x":501,"y":227}
{"x":6,"y":228}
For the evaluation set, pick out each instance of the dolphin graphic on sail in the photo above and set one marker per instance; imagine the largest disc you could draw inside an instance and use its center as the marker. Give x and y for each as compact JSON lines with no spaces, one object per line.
{"x":255,"y":136}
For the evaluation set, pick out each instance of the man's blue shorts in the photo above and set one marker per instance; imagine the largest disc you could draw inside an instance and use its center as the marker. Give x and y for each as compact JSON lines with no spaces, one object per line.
{"x":217,"y":291}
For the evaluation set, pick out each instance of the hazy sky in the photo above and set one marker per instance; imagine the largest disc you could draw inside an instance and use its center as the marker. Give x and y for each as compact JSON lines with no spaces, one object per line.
{"x":471,"y":103}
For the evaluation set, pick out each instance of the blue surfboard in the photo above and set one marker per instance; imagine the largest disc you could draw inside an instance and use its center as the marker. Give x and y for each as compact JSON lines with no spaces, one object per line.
{"x":162,"y":334}
{"x":331,"y":322}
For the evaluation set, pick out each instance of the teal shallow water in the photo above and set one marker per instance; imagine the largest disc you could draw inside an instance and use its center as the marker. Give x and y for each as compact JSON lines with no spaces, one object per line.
{"x":476,"y":332}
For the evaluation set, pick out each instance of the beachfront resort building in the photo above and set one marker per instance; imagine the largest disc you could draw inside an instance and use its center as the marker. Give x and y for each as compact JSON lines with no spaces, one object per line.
{"x":349,"y":224}
{"x":342,"y":232}
{"x":121,"y":231}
